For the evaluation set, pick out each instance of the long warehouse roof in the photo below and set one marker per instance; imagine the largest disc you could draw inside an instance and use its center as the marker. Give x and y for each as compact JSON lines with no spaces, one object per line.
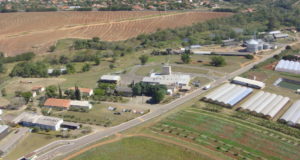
{"x":250,"y":82}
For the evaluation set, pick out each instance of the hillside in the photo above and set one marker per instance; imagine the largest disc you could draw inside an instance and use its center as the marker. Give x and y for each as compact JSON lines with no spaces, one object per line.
{"x":21,"y":32}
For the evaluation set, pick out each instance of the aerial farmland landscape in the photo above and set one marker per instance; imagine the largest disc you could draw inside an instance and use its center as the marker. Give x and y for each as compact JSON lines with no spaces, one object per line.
{"x":150,"y":79}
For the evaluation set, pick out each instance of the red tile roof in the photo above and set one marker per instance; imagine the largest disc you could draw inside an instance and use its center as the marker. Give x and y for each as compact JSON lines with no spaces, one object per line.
{"x":84,"y":90}
{"x":36,"y":88}
{"x":53,"y":102}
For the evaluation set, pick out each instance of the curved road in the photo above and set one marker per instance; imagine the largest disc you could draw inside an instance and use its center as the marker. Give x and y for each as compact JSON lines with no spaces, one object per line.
{"x":63,"y":147}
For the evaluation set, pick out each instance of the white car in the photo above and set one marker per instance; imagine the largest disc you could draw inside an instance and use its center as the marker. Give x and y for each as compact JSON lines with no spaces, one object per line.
{"x":207,"y":87}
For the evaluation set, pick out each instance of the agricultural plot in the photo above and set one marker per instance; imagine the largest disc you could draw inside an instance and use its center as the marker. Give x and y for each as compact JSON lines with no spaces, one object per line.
{"x":22,"y":32}
{"x":234,"y":138}
{"x":137,"y":148}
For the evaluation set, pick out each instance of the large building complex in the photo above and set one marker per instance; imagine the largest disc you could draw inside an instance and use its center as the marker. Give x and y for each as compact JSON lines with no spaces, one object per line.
{"x":292,"y":115}
{"x":248,"y":82}
{"x":288,"y":66}
{"x":265,"y":103}
{"x":168,"y":78}
{"x":35,"y":120}
{"x":228,"y":95}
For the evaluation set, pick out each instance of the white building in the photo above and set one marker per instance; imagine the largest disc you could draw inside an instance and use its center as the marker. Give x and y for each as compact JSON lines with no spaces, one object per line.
{"x":288,"y":66}
{"x":248,"y":82}
{"x":168,"y":78}
{"x":110,"y":79}
{"x":81,"y":104}
{"x":35,"y":120}
{"x":254,"y":45}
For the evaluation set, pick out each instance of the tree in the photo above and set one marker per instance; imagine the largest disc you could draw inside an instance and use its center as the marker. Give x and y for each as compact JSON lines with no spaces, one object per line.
{"x":137,"y":89}
{"x":59,"y":92}
{"x":70,"y":68}
{"x":63,"y":60}
{"x":97,"y":61}
{"x":96,"y":39}
{"x":3,"y":92}
{"x":273,"y":23}
{"x":217,"y":61}
{"x":52,"y":48}
{"x":51,"y":91}
{"x":27,"y":96}
{"x":143,"y":59}
{"x":249,"y":56}
{"x":111,"y":66}
{"x":86,"y":67}
{"x":2,"y":69}
{"x":77,"y":93}
{"x":186,"y":58}
{"x":158,"y":96}
{"x":70,"y":93}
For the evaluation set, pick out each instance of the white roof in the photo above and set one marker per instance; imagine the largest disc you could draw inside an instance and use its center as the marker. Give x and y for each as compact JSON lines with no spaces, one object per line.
{"x":37,"y":119}
{"x":3,"y":128}
{"x":110,"y":77}
{"x":79,"y":103}
{"x":292,"y":115}
{"x":265,"y":103}
{"x":288,"y":66}
{"x":168,"y":79}
{"x":249,"y":81}
{"x":274,"y":32}
{"x":228,"y":94}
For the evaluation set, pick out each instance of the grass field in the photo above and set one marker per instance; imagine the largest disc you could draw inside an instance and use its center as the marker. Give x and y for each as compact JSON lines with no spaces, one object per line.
{"x":289,"y":85}
{"x":98,"y":115}
{"x":233,"y":138}
{"x":29,"y":144}
{"x":137,"y":148}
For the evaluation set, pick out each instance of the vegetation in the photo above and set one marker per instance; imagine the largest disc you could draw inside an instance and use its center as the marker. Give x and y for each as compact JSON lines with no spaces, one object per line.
{"x":51,"y":91}
{"x":186,"y":58}
{"x":29,"y":69}
{"x":143,"y":59}
{"x":157,"y":92}
{"x":218,"y":61}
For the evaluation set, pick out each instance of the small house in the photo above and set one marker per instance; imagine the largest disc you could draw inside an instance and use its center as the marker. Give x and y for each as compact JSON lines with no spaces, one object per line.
{"x":38,"y":89}
{"x":110,"y":79}
{"x":81,"y":105}
{"x":60,"y":104}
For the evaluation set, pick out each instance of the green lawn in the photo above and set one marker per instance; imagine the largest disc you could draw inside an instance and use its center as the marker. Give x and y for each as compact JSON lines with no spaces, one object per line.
{"x":145,"y":70}
{"x":227,"y":135}
{"x":98,"y":115}
{"x":139,"y":148}
{"x":28,"y":144}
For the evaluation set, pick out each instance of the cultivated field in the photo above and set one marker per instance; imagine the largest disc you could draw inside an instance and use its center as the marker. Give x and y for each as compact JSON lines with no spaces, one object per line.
{"x":22,"y":32}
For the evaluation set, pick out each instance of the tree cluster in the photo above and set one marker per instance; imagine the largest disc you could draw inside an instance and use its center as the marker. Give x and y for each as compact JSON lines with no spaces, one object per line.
{"x":156,"y":92}
{"x":29,"y":69}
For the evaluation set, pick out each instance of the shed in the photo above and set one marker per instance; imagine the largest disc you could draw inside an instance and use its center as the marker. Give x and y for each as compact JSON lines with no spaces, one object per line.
{"x":110,"y":79}
{"x":248,"y":82}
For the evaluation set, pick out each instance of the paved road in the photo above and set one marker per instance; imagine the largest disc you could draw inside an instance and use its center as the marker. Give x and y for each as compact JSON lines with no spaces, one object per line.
{"x":63,"y":147}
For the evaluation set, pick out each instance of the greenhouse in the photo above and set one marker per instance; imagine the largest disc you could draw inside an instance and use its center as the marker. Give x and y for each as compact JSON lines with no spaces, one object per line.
{"x":292,"y":115}
{"x":228,"y":95}
{"x":288,"y":66}
{"x":265,"y":103}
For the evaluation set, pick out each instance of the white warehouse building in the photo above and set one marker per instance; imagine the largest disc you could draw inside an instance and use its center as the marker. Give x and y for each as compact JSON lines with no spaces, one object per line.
{"x":265,"y":103}
{"x":81,"y":104}
{"x":288,"y":66}
{"x":248,"y":82}
{"x":228,"y":95}
{"x":35,"y":120}
{"x":292,"y":115}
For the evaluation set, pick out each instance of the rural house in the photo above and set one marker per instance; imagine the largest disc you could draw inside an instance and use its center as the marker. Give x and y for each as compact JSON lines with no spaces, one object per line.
{"x":60,"y":104}
{"x":110,"y":79}
{"x":81,"y":105}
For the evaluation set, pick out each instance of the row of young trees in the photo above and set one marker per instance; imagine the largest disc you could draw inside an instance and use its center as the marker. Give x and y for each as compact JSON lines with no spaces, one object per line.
{"x":56,"y":92}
